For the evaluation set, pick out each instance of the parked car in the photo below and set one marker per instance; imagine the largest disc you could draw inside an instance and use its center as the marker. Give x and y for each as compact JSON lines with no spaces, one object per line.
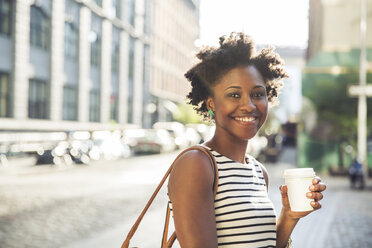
{"x":78,"y":150}
{"x":109,"y":145}
{"x":59,"y":155}
{"x":176,"y":130}
{"x":205,"y":131}
{"x":274,"y":148}
{"x":193,"y":136}
{"x":150,"y":141}
{"x":256,"y":147}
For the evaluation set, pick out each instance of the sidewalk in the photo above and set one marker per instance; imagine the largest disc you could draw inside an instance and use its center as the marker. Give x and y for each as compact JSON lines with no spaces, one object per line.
{"x":345,"y":219}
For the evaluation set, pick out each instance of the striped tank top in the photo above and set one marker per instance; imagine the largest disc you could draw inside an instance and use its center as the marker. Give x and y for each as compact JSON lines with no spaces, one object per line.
{"x":245,"y":216}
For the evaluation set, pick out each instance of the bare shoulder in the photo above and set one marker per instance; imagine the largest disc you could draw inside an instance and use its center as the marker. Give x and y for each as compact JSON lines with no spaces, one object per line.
{"x":191,"y":171}
{"x":190,"y":189}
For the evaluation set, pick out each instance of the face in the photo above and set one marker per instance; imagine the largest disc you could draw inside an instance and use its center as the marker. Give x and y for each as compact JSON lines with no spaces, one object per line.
{"x":239,"y":103}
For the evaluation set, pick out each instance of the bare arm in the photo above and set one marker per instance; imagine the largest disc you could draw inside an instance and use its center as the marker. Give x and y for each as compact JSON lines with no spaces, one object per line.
{"x":190,"y":189}
{"x":288,"y":219}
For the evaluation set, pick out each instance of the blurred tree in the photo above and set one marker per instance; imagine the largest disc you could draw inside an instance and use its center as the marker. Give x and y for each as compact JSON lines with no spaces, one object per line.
{"x":186,"y":114}
{"x":336,"y":111}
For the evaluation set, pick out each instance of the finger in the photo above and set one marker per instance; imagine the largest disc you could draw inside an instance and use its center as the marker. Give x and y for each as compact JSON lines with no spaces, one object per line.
{"x":316,"y":180}
{"x":283,"y":189}
{"x":316,"y":205}
{"x":318,"y":187}
{"x":314,"y":195}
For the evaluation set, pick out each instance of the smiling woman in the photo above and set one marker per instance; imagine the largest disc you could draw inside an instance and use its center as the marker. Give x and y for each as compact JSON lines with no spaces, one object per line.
{"x":233,"y":86}
{"x":240,"y":102}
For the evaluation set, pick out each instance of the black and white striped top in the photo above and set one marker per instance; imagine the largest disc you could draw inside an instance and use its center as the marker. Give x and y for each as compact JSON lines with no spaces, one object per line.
{"x":245,"y":216}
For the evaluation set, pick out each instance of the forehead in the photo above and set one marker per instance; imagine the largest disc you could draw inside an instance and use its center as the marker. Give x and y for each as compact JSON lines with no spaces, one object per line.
{"x":243,"y":76}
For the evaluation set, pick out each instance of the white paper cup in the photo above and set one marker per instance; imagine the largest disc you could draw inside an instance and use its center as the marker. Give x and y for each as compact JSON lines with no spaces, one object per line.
{"x":298,"y":181}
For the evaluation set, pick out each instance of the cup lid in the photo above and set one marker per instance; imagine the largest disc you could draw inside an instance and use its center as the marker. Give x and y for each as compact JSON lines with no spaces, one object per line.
{"x":299,"y":172}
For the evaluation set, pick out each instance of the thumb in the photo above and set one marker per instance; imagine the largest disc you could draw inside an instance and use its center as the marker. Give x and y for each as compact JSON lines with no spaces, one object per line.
{"x":283,"y":190}
{"x":285,"y":200}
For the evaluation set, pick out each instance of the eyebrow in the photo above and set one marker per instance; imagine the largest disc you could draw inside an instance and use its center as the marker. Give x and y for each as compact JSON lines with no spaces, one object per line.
{"x":233,"y":87}
{"x":238,"y":87}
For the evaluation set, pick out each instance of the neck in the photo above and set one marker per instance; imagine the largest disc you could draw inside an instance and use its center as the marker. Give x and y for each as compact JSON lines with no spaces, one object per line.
{"x":229,"y":146}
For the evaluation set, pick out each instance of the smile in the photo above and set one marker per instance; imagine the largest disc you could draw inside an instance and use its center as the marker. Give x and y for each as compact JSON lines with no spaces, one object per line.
{"x":245,"y":119}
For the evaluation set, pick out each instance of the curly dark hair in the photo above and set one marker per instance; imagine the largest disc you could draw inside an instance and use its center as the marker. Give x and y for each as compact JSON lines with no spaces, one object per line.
{"x":235,"y":50}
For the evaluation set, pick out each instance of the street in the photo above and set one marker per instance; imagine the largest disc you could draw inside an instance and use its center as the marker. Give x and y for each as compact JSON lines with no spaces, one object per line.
{"x":95,"y":205}
{"x":47,"y":206}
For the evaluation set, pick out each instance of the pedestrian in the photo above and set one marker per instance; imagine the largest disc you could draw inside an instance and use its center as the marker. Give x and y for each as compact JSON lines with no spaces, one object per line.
{"x":356,"y":175}
{"x":232,"y":85}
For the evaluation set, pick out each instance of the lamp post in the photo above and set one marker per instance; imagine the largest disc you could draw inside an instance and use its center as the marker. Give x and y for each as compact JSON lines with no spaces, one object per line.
{"x":362,"y":91}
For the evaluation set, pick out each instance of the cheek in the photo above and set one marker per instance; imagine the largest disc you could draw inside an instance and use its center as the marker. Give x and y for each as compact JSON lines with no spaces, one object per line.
{"x":263,"y":107}
{"x":224,"y":107}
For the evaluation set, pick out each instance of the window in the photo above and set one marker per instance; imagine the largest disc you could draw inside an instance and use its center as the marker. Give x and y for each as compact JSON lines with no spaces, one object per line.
{"x":95,"y":41}
{"x":4,"y":95}
{"x":37,"y":99}
{"x":131,"y":79}
{"x":98,"y":2}
{"x":147,"y":23}
{"x":71,"y":41}
{"x":116,"y":6}
{"x":6,"y":17}
{"x":39,"y":28}
{"x":115,"y":50}
{"x":69,"y":103}
{"x":130,"y":11}
{"x":94,"y":103}
{"x":131,"y":58}
{"x":146,"y":81}
{"x":114,"y":105}
{"x":95,"y":52}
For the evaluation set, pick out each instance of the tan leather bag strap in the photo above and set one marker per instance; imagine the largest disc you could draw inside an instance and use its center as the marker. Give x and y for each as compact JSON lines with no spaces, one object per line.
{"x":169,"y":243}
{"x":140,"y":217}
{"x":165,"y":229}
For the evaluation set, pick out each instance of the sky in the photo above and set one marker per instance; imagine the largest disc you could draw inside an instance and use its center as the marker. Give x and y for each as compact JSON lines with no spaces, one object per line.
{"x":275,"y":22}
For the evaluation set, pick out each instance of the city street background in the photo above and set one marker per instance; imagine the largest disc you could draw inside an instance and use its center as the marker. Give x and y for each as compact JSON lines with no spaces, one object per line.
{"x":88,"y":86}
{"x":95,"y":205}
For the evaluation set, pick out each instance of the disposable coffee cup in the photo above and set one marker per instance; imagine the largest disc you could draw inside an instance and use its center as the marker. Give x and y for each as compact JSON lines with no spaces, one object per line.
{"x":298,"y":181}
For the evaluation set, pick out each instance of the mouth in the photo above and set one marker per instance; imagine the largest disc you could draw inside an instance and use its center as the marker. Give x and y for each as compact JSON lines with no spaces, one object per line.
{"x":246,"y":119}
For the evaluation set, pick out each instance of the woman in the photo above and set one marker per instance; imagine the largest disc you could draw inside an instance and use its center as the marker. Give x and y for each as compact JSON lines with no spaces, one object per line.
{"x":233,"y":86}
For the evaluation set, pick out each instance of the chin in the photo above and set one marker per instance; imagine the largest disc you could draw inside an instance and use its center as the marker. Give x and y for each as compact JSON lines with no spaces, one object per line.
{"x":247,"y":136}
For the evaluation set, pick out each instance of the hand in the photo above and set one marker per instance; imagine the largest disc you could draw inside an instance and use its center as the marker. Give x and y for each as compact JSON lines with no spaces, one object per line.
{"x":315,"y":193}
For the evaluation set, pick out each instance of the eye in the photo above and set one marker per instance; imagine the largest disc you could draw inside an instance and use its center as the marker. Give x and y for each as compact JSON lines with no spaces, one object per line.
{"x":234,"y":95}
{"x":258,"y":94}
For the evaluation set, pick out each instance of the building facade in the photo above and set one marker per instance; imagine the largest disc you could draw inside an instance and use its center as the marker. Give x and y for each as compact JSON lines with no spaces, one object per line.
{"x":175,"y":27}
{"x":334,"y":26}
{"x":73,"y":64}
{"x":289,"y":109}
{"x":329,"y":127}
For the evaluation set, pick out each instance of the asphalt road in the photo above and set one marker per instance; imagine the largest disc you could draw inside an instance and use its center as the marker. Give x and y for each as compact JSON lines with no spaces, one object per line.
{"x":50,"y":206}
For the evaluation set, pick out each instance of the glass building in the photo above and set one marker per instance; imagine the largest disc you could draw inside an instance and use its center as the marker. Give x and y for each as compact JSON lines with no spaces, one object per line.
{"x":92,"y":65}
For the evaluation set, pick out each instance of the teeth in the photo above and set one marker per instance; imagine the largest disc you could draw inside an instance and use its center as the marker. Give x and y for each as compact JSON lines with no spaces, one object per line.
{"x":245,"y":119}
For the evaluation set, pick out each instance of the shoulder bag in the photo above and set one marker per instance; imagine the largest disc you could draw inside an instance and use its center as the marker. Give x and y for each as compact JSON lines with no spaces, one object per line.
{"x":166,"y":243}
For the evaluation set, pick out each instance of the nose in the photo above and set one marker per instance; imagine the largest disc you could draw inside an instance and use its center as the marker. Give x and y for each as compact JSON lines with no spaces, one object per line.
{"x":248,"y":104}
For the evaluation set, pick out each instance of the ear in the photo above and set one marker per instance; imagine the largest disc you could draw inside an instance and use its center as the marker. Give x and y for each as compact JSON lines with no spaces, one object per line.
{"x":210,"y":103}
